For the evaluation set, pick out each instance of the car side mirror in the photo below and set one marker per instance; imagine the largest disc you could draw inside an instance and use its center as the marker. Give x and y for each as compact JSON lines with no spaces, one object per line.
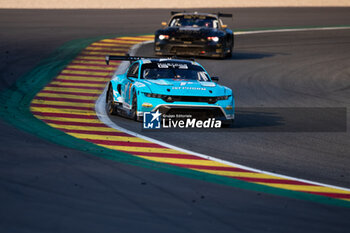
{"x":224,"y":26}
{"x":164,"y":24}
{"x":130,"y":78}
{"x":216,"y":79}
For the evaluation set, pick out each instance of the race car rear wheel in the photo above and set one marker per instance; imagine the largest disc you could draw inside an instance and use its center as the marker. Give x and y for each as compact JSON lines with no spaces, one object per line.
{"x":110,"y":103}
{"x":229,"y":54}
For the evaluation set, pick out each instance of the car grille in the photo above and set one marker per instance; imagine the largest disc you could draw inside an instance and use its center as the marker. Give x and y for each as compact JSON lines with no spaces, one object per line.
{"x":186,"y":50}
{"x":170,"y":99}
{"x":189,"y":39}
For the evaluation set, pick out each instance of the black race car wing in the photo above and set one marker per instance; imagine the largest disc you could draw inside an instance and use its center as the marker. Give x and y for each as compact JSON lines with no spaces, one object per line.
{"x":126,"y":58}
{"x":135,"y":58}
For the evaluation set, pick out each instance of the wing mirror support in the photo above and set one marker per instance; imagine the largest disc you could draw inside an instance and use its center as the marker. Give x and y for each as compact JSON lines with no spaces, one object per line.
{"x":130,"y":79}
{"x":216,"y":79}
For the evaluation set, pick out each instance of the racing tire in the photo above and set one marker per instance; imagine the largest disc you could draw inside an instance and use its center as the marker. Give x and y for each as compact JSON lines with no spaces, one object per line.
{"x":228,"y":124}
{"x":229,"y":54}
{"x":134,"y":107}
{"x":110,"y":103}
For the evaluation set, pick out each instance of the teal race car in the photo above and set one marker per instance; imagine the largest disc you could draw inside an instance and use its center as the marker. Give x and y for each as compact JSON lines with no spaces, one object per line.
{"x":170,"y":86}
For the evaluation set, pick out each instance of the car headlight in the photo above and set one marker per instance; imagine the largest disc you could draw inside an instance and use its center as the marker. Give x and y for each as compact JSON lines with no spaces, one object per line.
{"x":225,"y":97}
{"x":163,"y":37}
{"x":153,"y":95}
{"x":213,"y":38}
{"x":166,"y":98}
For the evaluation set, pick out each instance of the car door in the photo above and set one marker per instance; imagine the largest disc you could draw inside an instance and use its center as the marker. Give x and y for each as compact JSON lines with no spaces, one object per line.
{"x":131,"y":77}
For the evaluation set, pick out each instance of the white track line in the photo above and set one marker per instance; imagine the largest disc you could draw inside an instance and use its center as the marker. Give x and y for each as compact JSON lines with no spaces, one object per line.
{"x":101,"y":113}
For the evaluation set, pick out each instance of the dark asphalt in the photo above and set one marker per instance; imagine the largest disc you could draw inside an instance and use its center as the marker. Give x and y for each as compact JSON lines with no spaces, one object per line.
{"x":48,"y":188}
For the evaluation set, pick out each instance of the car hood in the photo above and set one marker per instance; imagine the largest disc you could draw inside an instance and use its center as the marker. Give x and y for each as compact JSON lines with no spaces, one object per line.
{"x":184,"y":87}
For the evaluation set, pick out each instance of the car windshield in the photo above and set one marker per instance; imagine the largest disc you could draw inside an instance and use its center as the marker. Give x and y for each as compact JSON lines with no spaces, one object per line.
{"x":173,"y":70}
{"x":194,"y":21}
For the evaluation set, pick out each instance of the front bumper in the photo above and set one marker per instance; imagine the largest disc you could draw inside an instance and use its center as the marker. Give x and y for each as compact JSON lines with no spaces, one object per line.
{"x":212,"y":49}
{"x":198,"y":112}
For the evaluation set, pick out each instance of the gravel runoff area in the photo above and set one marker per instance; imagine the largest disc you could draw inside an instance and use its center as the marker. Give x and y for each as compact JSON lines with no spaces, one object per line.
{"x":134,"y":4}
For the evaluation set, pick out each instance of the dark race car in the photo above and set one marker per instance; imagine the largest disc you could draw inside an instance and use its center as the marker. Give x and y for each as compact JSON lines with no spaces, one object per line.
{"x":194,"y":34}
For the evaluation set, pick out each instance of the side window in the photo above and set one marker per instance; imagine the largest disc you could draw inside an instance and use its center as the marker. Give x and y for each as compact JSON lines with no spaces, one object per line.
{"x":134,"y":70}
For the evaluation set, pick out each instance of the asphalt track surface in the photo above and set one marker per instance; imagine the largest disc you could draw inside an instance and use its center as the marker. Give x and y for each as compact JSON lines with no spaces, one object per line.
{"x":46,"y":187}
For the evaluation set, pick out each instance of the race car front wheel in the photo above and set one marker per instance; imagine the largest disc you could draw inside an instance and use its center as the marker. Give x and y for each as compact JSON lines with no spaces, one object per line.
{"x":110,"y":103}
{"x":134,"y":107}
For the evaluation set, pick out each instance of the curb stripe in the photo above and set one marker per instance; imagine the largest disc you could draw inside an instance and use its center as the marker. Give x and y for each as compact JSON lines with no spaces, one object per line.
{"x":87,"y":128}
{"x":235,"y":169}
{"x":72,"y":90}
{"x":86,"y":85}
{"x":123,"y":143}
{"x":94,"y":62}
{"x":92,"y":132}
{"x":67,"y":93}
{"x":91,"y":67}
{"x":102,"y":53}
{"x":76,"y":77}
{"x":97,"y":57}
{"x":80,"y":81}
{"x":63,"y":103}
{"x":114,"y":43}
{"x":179,"y":156}
{"x":73,"y":87}
{"x":141,"y":149}
{"x":82,"y":78}
{"x":71,"y":95}
{"x":64,"y":99}
{"x":64,"y":115}
{"x":39,"y":105}
{"x":112,"y":138}
{"x":69,"y":68}
{"x":69,"y":120}
{"x":265,"y":180}
{"x":68,"y":74}
{"x":59,"y":110}
{"x":104,"y":50}
{"x":73,"y":123}
{"x":334,"y":195}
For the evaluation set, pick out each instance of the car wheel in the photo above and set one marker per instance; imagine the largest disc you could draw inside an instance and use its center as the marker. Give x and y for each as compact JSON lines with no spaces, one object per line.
{"x":228,"y":123}
{"x":222,"y":55}
{"x":134,"y":107}
{"x":229,"y":54}
{"x":110,"y":103}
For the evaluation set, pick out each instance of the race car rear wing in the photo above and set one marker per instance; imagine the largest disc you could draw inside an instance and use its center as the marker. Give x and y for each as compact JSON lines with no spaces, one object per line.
{"x":176,"y":12}
{"x":219,"y":14}
{"x":127,"y":57}
{"x":224,"y":15}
